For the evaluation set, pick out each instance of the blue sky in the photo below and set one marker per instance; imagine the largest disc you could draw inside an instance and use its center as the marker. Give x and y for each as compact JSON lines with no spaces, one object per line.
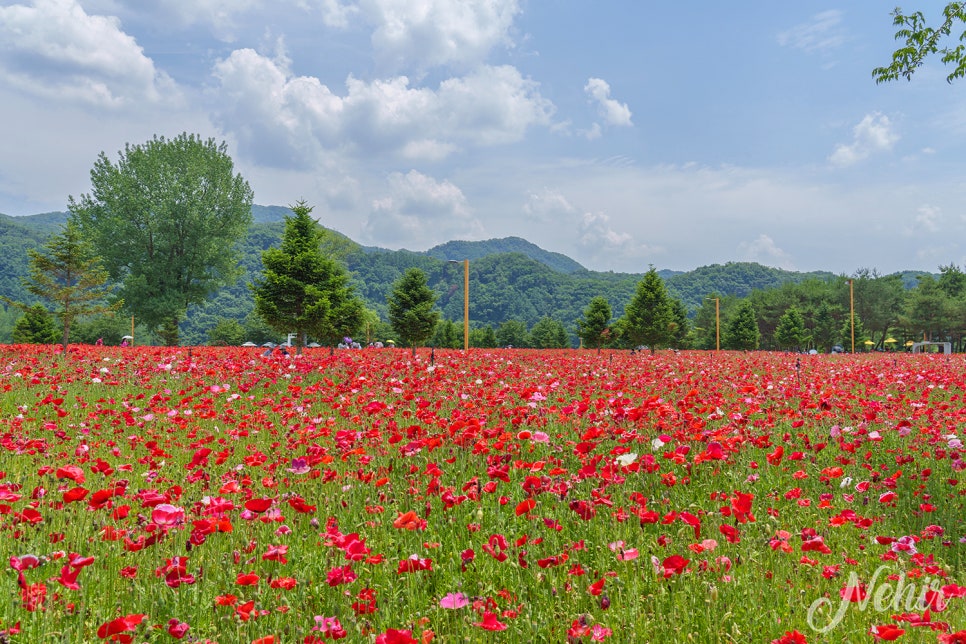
{"x":623,"y":134}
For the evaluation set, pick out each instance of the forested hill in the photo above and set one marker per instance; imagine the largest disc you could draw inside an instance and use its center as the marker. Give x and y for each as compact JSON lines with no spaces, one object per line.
{"x":510,"y":279}
{"x":460,"y":250}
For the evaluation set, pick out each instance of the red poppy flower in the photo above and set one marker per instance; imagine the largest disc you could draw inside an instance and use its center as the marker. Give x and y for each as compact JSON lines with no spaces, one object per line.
{"x":490,"y":622}
{"x":119,"y":625}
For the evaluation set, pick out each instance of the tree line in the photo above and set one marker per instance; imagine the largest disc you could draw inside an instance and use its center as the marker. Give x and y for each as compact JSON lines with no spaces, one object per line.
{"x":167,"y":236}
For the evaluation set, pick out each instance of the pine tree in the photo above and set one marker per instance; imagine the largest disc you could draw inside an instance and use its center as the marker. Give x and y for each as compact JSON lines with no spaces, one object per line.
{"x":790,"y":332}
{"x":35,"y":326}
{"x":742,"y":331}
{"x":412,"y":308}
{"x":68,"y":274}
{"x":593,"y":325}
{"x":649,"y":316}
{"x":302,"y":291}
{"x":548,"y":333}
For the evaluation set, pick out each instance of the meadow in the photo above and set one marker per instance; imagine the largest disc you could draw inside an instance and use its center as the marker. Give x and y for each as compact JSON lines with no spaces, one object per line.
{"x":216,"y":495}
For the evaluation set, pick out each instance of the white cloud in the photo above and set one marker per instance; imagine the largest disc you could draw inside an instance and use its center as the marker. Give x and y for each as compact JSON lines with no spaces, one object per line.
{"x":220,"y":14}
{"x":874,"y":133}
{"x":821,"y":34}
{"x":593,"y":235}
{"x":549,"y":206}
{"x":294,"y":120}
{"x":764,"y":250}
{"x":420,"y":210}
{"x":336,"y":14}
{"x":928,"y":219}
{"x":57,"y":51}
{"x":613,"y":112}
{"x":428,"y":33}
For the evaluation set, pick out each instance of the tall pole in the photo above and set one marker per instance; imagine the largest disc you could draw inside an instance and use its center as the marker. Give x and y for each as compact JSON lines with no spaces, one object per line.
{"x":466,"y":305}
{"x":852,"y":313}
{"x":717,"y":324}
{"x":132,"y":330}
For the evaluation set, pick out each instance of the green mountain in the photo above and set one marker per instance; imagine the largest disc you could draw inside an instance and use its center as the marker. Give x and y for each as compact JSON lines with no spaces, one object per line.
{"x":460,"y":250}
{"x":510,"y":278}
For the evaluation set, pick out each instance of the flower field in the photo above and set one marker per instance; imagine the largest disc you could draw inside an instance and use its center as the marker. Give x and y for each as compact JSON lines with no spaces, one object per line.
{"x":215,"y":495}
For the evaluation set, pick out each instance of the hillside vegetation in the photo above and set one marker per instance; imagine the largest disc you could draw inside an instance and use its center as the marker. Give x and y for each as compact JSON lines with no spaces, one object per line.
{"x":510,"y":278}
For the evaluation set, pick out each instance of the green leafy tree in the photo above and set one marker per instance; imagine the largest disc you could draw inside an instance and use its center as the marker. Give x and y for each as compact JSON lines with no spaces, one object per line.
{"x":791,"y":332}
{"x":303,"y":291}
{"x":512,"y":333}
{"x":8,"y":317}
{"x":879,"y":300}
{"x":257,"y":331}
{"x":742,"y":332}
{"x":68,"y":274}
{"x":35,"y":326}
{"x":109,"y":329}
{"x":548,"y":333}
{"x":649,"y":316}
{"x":483,"y":337}
{"x":412,"y":308}
{"x":592,"y":327}
{"x":921,"y":41}
{"x":226,"y":333}
{"x":448,"y":335}
{"x":929,"y":312}
{"x":165,"y":219}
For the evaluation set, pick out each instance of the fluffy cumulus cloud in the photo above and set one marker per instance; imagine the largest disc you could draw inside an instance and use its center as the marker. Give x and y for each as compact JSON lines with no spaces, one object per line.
{"x":612,"y":111}
{"x":419,"y":212}
{"x":764,"y":250}
{"x":291,"y":121}
{"x":873,"y":134}
{"x":56,"y":50}
{"x":428,"y":33}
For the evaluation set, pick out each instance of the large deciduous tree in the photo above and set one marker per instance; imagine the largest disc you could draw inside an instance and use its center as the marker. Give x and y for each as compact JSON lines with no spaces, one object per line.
{"x":165,"y":219}
{"x":649,"y":317}
{"x":70,"y":276}
{"x":302,"y":290}
{"x":879,"y":300}
{"x":412,"y":308}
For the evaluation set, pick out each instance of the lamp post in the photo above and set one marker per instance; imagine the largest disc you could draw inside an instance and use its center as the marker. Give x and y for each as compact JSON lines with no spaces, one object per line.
{"x":466,"y":301}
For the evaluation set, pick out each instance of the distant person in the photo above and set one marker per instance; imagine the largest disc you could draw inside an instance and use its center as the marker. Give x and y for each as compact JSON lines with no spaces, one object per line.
{"x":124,"y":343}
{"x":100,"y":342}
